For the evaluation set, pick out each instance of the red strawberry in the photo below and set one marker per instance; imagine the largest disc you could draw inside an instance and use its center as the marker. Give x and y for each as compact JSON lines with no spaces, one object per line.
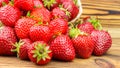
{"x":22,"y":48}
{"x":23,"y":13}
{"x":89,"y":24}
{"x":22,"y":27}
{"x":62,"y":48}
{"x":7,"y":39}
{"x":9,"y":15}
{"x":60,"y":13}
{"x":40,"y":53}
{"x":24,"y":4}
{"x":94,"y":21}
{"x":102,"y":40}
{"x":66,"y":1}
{"x":58,"y":26}
{"x":38,"y":3}
{"x":72,"y":8}
{"x":40,"y":33}
{"x":86,"y":27}
{"x":3,"y":2}
{"x":50,"y":4}
{"x":82,"y":42}
{"x":41,"y":15}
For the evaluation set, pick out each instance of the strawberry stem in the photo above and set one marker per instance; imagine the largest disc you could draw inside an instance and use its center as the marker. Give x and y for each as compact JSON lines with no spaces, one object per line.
{"x":49,"y":3}
{"x":65,"y":10}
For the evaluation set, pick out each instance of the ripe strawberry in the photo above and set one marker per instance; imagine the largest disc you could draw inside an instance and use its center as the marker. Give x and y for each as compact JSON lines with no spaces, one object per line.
{"x":40,"y":53}
{"x":102,"y":40}
{"x":89,"y":24}
{"x":62,"y":48}
{"x":66,"y":1}
{"x":60,"y":13}
{"x":7,"y":38}
{"x":50,"y":4}
{"x":38,"y":3}
{"x":86,"y":27}
{"x":83,"y":43}
{"x":94,"y":21}
{"x":9,"y":15}
{"x":22,"y":48}
{"x":58,"y":26}
{"x":3,"y":2}
{"x":22,"y":27}
{"x":24,"y":4}
{"x":40,"y":33}
{"x":72,"y":8}
{"x":41,"y":15}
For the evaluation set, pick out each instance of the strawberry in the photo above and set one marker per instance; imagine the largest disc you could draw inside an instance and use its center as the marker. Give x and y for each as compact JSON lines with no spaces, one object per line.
{"x":60,"y":13}
{"x":40,"y":53}
{"x":22,"y":27}
{"x":50,"y":4}
{"x":66,"y":1}
{"x":94,"y":21}
{"x":41,"y":15}
{"x":83,"y":43}
{"x":102,"y":40}
{"x":7,"y":38}
{"x":22,"y":48}
{"x":72,"y":8}
{"x":62,"y":48}
{"x":24,"y":4}
{"x":58,"y":26}
{"x":40,"y":33}
{"x":38,"y":3}
{"x":2,"y":2}
{"x":89,"y":24}
{"x":86,"y":27}
{"x":9,"y":15}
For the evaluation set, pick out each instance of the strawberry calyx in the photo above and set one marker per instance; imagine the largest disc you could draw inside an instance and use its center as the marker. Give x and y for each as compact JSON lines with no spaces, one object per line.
{"x":95,"y":22}
{"x":74,"y":32}
{"x":75,"y":2}
{"x":17,"y":45}
{"x":11,"y":2}
{"x":65,"y":10}
{"x":1,"y":24}
{"x":28,"y":14}
{"x":41,"y":52}
{"x":3,"y":4}
{"x":49,"y":3}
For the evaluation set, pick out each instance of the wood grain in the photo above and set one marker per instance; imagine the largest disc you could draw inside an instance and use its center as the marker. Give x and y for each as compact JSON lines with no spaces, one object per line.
{"x":108,"y":11}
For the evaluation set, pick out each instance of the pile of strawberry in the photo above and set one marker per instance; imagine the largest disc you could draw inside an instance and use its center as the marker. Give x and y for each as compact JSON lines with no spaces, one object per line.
{"x":39,"y":30}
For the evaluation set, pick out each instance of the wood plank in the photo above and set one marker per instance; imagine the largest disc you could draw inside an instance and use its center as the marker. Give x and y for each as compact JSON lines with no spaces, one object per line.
{"x":105,"y":9}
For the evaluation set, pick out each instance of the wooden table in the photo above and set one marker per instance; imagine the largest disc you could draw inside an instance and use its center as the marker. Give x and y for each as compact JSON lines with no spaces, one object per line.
{"x":108,"y":11}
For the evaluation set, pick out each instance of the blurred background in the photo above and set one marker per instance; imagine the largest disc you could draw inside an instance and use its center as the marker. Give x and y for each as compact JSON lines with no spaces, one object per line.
{"x":108,"y":11}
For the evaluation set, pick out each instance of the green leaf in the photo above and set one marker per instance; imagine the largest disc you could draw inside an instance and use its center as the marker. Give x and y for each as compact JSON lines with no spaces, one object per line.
{"x":28,"y":14}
